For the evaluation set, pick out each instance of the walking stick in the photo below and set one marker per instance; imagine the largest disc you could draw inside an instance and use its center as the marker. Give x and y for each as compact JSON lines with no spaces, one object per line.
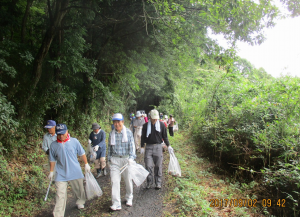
{"x":48,"y":191}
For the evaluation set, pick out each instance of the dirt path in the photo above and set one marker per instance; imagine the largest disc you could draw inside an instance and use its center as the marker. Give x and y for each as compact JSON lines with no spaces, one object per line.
{"x":146,"y":202}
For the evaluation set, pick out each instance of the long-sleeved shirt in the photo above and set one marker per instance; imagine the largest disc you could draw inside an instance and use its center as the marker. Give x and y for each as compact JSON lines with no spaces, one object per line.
{"x":138,"y":122}
{"x":47,"y":140}
{"x":154,"y":137}
{"x":121,"y":148}
{"x":98,"y":138}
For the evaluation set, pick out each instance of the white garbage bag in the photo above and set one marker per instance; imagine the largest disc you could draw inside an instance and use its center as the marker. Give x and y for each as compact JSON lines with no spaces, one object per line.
{"x":174,"y":168}
{"x":137,"y":173}
{"x":92,"y":154}
{"x":92,"y":188}
{"x":175,"y":127}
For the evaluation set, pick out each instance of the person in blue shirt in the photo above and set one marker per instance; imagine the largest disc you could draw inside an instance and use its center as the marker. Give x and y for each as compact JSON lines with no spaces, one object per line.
{"x":49,"y":138}
{"x":97,"y":140}
{"x":63,"y":153}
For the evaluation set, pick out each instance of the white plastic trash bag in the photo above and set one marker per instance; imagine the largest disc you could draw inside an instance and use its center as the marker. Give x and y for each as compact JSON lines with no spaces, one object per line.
{"x":175,"y":127}
{"x":92,"y":154}
{"x":137,"y":173}
{"x":174,"y":168}
{"x":92,"y":187}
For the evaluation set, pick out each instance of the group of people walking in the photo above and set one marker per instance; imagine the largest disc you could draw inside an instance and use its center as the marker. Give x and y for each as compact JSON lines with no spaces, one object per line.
{"x":121,"y":150}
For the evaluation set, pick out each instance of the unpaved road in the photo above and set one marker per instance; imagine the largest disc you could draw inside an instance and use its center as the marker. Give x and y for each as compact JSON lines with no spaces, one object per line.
{"x":146,"y":202}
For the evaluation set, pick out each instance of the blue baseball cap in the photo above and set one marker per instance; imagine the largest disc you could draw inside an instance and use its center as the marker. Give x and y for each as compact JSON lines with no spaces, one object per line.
{"x":117,"y":117}
{"x":50,"y":124}
{"x":61,"y":129}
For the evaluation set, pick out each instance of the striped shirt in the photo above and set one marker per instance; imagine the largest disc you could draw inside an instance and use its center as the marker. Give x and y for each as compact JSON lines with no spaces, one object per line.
{"x":121,"y":148}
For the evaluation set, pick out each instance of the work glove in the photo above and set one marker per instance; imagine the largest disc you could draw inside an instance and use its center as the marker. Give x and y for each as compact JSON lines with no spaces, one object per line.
{"x":170,"y":149}
{"x":131,"y":162}
{"x":51,"y":176}
{"x":90,"y":141}
{"x":87,"y":168}
{"x":142,"y":151}
{"x":96,"y":148}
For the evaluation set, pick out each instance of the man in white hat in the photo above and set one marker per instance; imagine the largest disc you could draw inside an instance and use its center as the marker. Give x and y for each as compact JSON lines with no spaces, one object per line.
{"x":121,"y":151}
{"x":138,"y":125}
{"x":153,"y":134}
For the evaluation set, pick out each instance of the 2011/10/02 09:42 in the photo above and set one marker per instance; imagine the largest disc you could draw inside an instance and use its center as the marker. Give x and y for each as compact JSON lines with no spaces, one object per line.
{"x":246,"y":202}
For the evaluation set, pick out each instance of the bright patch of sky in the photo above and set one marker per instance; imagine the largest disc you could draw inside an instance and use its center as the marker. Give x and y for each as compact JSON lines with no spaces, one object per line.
{"x":279,"y":54}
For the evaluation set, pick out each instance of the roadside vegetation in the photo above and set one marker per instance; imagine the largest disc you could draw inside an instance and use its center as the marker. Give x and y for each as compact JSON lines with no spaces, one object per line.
{"x":248,"y":126}
{"x":201,"y":192}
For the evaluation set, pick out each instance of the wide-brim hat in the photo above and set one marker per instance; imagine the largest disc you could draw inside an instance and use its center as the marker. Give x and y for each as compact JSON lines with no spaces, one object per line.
{"x":95,"y":126}
{"x":61,"y":129}
{"x":138,"y":114}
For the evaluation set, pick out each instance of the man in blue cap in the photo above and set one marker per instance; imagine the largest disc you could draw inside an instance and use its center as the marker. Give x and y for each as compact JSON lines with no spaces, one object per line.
{"x":49,"y":138}
{"x":121,"y":151}
{"x":64,"y":151}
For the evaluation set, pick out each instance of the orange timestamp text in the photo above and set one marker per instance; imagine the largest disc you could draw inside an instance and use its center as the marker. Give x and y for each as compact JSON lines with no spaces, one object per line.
{"x":246,"y":202}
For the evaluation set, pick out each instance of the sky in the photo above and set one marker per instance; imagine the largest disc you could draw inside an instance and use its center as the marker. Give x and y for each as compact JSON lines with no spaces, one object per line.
{"x":279,"y":54}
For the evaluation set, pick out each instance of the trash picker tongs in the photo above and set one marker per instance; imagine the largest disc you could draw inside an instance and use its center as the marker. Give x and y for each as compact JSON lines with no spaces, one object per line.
{"x":48,"y":191}
{"x":123,"y":168}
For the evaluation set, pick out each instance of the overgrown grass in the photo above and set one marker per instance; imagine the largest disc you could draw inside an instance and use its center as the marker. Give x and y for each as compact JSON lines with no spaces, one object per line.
{"x":24,"y":174}
{"x":196,"y":188}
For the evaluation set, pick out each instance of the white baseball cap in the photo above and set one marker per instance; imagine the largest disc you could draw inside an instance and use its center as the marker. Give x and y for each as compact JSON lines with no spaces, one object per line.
{"x":117,"y":117}
{"x":154,"y":114}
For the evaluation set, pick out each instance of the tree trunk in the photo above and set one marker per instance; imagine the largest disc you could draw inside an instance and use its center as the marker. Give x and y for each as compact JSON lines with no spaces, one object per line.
{"x":24,"y":21}
{"x":60,"y":12}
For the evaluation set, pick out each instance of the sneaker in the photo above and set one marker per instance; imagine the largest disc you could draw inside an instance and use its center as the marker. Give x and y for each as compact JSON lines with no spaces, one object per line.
{"x":115,"y":207}
{"x":104,"y":171}
{"x":158,"y":187}
{"x":129,"y":202}
{"x":148,"y":185}
{"x":80,"y":206}
{"x":99,"y":175}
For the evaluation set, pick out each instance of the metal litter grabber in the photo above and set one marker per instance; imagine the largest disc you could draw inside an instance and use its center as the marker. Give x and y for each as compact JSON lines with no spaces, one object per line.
{"x":123,"y":168}
{"x":48,"y":191}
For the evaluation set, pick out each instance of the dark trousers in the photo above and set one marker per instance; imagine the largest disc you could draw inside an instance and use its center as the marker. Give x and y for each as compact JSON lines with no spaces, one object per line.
{"x":171,"y":132}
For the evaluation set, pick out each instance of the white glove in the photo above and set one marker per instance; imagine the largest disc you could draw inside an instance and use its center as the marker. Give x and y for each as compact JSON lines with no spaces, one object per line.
{"x":170,"y":149}
{"x":90,"y":141}
{"x":131,"y":162}
{"x":51,"y":176}
{"x":96,"y":148}
{"x":142,"y":151}
{"x":87,"y":168}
